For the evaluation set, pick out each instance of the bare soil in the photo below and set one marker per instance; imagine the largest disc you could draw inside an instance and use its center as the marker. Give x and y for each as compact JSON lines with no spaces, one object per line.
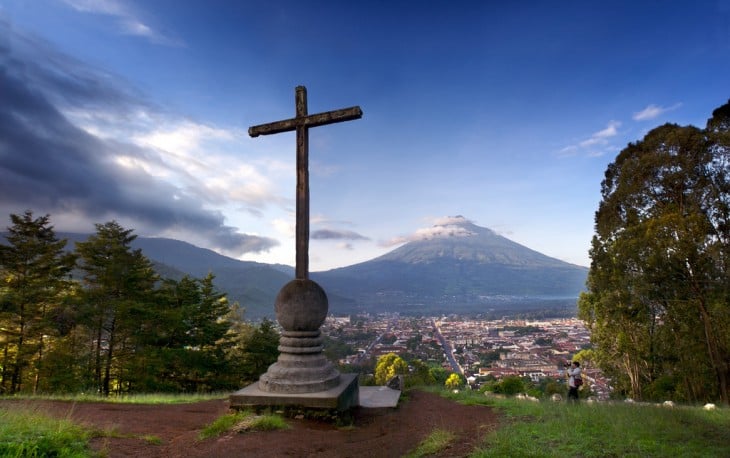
{"x":172,"y":430}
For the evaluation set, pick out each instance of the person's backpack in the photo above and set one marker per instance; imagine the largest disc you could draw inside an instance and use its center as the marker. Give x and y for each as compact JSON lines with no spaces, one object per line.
{"x":577,"y":381}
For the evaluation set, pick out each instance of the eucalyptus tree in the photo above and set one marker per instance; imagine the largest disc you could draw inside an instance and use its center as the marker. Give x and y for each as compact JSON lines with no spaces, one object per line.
{"x":119,"y":285}
{"x":35,"y":271}
{"x":658,"y":288}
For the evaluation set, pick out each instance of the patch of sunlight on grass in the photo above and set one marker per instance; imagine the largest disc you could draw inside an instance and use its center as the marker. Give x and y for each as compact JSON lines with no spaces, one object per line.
{"x":242,"y":421}
{"x":140,"y":398}
{"x":436,"y":442}
{"x":27,"y":433}
{"x":224,"y":423}
{"x":599,"y":430}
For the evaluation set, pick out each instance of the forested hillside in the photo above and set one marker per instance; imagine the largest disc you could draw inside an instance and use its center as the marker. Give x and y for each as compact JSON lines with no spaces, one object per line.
{"x":119,"y":328}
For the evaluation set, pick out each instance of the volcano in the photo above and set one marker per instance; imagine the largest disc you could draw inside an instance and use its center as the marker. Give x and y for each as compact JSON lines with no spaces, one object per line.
{"x":456,"y":266}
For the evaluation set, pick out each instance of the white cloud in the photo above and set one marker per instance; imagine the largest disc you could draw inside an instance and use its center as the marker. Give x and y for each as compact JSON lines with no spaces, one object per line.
{"x":448,"y":226}
{"x":653,"y":111}
{"x":202,"y":160}
{"x":182,"y":137}
{"x":595,"y":145}
{"x":196,"y":152}
{"x":450,"y":220}
{"x":110,"y":7}
{"x":285,"y":227}
{"x":345,"y":246}
{"x":610,"y":131}
{"x":127,"y":20}
{"x":132,"y":27}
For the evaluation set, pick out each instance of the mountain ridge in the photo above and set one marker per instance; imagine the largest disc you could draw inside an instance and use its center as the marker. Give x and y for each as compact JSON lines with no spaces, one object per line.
{"x":459,"y":266}
{"x":452,"y":267}
{"x":468,"y":241}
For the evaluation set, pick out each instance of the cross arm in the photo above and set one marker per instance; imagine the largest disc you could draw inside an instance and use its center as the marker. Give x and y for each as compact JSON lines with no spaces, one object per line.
{"x":319,"y":119}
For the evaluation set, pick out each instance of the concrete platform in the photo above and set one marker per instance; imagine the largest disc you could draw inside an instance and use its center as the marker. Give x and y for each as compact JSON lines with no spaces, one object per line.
{"x":341,"y":397}
{"x":375,"y":397}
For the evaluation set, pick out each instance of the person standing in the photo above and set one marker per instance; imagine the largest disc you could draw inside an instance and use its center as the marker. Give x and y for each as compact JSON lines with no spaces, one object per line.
{"x":574,"y":381}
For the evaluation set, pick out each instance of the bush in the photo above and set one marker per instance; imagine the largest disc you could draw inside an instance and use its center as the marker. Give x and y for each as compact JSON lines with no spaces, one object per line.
{"x":388,"y":367}
{"x":454,"y":381}
{"x":510,"y":385}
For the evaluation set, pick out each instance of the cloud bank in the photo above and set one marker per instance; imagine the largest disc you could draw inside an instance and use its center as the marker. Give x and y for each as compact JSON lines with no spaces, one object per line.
{"x":448,"y":226}
{"x":333,"y":234}
{"x":51,"y":163}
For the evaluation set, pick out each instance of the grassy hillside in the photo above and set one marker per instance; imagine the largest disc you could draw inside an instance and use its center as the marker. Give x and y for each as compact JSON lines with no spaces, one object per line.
{"x":559,"y":429}
{"x":528,"y":429}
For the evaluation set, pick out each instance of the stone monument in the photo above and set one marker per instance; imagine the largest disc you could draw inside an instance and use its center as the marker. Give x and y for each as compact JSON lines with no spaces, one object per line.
{"x":302,"y":375}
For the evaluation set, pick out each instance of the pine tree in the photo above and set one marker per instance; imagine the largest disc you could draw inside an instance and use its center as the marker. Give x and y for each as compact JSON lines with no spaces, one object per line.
{"x":119,"y":284}
{"x":182,"y":337}
{"x":35,"y":270}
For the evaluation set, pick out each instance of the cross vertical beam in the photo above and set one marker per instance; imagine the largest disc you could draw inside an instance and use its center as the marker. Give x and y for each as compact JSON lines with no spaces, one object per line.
{"x":301,"y":123}
{"x":302,"y":221}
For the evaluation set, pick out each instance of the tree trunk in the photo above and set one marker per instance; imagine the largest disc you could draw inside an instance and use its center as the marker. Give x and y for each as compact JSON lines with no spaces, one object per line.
{"x":4,"y":375}
{"x":40,"y":366}
{"x":718,"y":361}
{"x":109,"y":357}
{"x":15,"y":382}
{"x":97,"y":359}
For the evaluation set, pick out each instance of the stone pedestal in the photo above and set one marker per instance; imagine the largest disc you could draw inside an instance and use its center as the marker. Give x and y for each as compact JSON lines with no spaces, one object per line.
{"x":302,"y":375}
{"x":341,"y":397}
{"x":301,"y":367}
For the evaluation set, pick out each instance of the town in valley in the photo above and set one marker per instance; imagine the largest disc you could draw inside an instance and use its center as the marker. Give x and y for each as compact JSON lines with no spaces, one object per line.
{"x":478,"y":349}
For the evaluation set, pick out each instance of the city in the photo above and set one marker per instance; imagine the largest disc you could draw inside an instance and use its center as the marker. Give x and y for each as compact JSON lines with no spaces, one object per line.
{"x":477,"y":349}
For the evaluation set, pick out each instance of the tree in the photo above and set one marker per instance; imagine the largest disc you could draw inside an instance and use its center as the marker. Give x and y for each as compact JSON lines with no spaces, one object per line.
{"x":260,"y":350}
{"x":388,"y":366}
{"x":510,"y":385}
{"x":35,"y":270}
{"x":420,"y":374}
{"x":659,"y":284}
{"x":454,"y":381}
{"x":438,"y":374}
{"x":179,"y":339}
{"x":119,"y":283}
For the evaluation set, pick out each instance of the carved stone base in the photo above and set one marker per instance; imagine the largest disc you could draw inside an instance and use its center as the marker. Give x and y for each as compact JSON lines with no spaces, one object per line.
{"x":301,"y":375}
{"x":341,"y":397}
{"x":301,"y":366}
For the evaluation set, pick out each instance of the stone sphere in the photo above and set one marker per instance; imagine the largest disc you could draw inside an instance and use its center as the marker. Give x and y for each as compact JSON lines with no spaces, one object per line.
{"x":301,"y":305}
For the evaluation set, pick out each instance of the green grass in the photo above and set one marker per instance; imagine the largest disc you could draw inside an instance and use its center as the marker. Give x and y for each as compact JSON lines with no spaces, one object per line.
{"x":549,"y":429}
{"x":223,"y":424}
{"x":268,"y":422}
{"x":148,"y":398}
{"x":152,"y":439}
{"x":437,"y":441}
{"x":242,"y":421}
{"x":25,"y":433}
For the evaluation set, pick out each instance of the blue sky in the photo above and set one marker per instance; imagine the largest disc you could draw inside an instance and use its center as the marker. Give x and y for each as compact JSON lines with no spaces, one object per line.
{"x":504,"y":112}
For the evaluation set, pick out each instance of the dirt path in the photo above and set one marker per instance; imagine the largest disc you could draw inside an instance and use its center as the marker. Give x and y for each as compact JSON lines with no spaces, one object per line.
{"x":375,"y":433}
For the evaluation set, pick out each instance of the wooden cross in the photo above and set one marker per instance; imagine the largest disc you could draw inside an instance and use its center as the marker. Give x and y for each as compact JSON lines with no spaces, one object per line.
{"x":301,"y":123}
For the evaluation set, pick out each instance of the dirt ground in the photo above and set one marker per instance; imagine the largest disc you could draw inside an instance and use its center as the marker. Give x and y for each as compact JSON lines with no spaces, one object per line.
{"x":375,"y":432}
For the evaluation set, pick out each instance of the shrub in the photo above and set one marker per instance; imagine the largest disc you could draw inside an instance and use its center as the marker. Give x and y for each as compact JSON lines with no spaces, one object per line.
{"x":454,"y":381}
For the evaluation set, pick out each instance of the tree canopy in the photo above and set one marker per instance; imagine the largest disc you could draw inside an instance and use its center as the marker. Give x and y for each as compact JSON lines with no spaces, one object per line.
{"x":100,"y":319}
{"x":388,"y":366}
{"x":659,"y":283}
{"x":34,"y":269}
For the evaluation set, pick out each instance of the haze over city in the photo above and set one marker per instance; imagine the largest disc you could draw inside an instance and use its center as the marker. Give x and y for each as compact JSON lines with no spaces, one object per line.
{"x":506,"y":114}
